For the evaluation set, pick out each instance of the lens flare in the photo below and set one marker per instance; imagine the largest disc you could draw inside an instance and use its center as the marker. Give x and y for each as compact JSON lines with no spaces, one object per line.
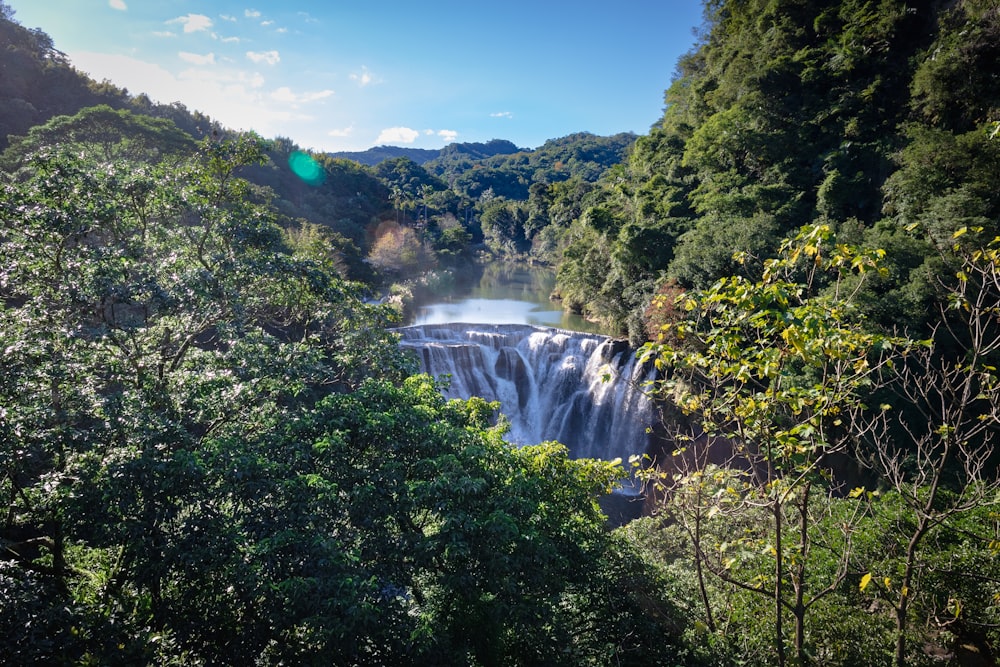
{"x":305,"y":167}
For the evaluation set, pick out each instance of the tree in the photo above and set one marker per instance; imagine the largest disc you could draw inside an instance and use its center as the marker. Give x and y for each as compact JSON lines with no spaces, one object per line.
{"x":212,"y":452}
{"x":115,"y":134}
{"x":769,"y":369}
{"x":148,"y":312}
{"x":936,"y":447}
{"x":398,"y":250}
{"x":503,"y":227}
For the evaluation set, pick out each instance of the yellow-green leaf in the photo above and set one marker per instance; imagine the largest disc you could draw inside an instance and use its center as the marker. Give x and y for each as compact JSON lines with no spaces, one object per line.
{"x":865,"y":580}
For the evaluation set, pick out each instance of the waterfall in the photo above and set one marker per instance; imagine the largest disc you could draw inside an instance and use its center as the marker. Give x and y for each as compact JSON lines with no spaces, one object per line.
{"x":582,"y":390}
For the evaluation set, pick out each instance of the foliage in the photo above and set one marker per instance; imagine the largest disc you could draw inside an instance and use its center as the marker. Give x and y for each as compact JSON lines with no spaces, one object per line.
{"x":213,"y":453}
{"x":510,"y":172}
{"x":791,"y":113}
{"x":398,"y":251}
{"x":115,"y":134}
{"x":779,"y":395}
{"x":39,"y":83}
{"x":768,"y":369}
{"x":940,"y":453}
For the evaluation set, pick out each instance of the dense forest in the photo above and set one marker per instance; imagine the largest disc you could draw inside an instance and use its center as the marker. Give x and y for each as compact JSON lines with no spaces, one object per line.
{"x":214,"y":451}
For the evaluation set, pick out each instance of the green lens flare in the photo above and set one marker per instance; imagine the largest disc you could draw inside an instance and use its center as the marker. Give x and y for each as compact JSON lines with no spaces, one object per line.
{"x":305,"y":167}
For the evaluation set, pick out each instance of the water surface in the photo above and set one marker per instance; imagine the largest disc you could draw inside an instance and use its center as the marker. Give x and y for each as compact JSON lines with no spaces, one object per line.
{"x":501,"y":293}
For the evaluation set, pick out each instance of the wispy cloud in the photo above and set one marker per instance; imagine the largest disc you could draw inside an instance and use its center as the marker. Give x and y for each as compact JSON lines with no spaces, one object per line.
{"x":502,"y":114}
{"x":286,"y":96}
{"x":364,"y":77}
{"x":118,"y":4}
{"x":227,"y":17}
{"x":397,"y":135}
{"x":269,"y":57}
{"x":193,"y":22}
{"x":230,"y":40}
{"x":164,"y":33}
{"x":447,"y":135}
{"x":341,"y":132}
{"x":197,"y":58}
{"x":251,"y":14}
{"x":236,"y":98}
{"x":267,"y":23}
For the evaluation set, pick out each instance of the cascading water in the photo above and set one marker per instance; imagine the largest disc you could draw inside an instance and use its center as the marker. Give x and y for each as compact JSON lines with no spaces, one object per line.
{"x":582,"y":390}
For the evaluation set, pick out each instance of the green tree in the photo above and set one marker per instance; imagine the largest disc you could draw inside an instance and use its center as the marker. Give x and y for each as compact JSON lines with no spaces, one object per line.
{"x":109,"y":134}
{"x":770,"y":368}
{"x":212,"y":453}
{"x":503,"y":222}
{"x":146,"y":311}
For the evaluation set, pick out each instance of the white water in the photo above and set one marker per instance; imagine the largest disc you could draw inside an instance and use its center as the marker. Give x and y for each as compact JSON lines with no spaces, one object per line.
{"x":580,"y":389}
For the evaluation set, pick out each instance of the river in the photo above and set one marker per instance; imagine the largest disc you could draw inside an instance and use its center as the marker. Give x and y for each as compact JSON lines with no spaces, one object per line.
{"x":500,"y":293}
{"x":558,"y":382}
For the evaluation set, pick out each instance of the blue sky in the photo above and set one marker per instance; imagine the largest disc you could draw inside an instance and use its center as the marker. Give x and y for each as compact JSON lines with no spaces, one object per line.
{"x":351,"y":74}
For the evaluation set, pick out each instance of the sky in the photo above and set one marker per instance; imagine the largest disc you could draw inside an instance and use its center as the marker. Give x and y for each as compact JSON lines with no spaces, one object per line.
{"x":347,"y":75}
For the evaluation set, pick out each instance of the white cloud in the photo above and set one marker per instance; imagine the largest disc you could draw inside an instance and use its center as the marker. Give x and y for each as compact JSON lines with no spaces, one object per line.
{"x":448,"y":135}
{"x":398,"y":135}
{"x":342,"y":132}
{"x":231,"y":40}
{"x":251,"y":14}
{"x":286,"y":96}
{"x":227,"y":17}
{"x":364,"y":77}
{"x":269,"y":57}
{"x":502,"y":114}
{"x":316,"y":96}
{"x":118,"y":4}
{"x":266,"y":23}
{"x":196,"y":58}
{"x":164,"y":33}
{"x":236,"y":98}
{"x":193,"y":22}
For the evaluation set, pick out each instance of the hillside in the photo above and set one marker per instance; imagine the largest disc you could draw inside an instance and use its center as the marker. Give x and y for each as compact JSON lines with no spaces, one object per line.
{"x":880,"y":122}
{"x":373,"y":156}
{"x":45,"y":102}
{"x":471,"y":150}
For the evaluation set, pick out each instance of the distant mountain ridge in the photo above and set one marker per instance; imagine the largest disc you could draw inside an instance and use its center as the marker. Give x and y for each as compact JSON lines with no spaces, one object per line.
{"x":472,"y":150}
{"x":377,"y":154}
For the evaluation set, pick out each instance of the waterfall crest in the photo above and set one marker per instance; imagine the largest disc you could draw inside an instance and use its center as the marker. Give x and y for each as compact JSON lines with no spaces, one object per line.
{"x":580,"y":389}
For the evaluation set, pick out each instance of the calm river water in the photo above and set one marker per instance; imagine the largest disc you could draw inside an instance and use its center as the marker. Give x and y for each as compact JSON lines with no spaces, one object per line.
{"x":500,"y":293}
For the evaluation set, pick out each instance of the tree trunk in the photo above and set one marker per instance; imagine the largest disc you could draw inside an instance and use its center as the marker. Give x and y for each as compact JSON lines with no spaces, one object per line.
{"x":779,"y":632}
{"x":799,"y":580}
{"x":709,"y":619}
{"x":902,"y":606}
